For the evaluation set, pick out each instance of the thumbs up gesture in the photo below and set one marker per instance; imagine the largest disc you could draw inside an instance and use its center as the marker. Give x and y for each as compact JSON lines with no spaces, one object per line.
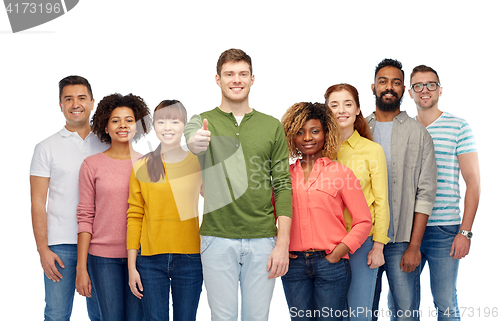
{"x":199,"y":142}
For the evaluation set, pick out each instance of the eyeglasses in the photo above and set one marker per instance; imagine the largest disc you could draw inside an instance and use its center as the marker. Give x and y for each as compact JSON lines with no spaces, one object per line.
{"x":419,"y":87}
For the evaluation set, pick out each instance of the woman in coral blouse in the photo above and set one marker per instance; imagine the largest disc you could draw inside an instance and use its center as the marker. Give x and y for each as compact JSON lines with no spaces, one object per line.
{"x":102,"y":208}
{"x":367,"y":160}
{"x":162,"y":236}
{"x":318,"y":277}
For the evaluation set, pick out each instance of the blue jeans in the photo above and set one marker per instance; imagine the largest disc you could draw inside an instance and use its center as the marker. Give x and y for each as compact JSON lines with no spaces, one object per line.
{"x":159,"y":273}
{"x":404,"y":287}
{"x":435,"y":249}
{"x":59,"y":295}
{"x":228,"y":263}
{"x":110,"y":278}
{"x":362,"y":288}
{"x":316,"y":289}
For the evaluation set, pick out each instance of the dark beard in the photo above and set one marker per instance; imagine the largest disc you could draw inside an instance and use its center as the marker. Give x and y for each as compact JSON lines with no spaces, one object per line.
{"x":391,"y":106}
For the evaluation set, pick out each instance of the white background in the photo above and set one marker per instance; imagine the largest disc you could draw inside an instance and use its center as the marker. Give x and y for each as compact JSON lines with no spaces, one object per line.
{"x":168,"y":50}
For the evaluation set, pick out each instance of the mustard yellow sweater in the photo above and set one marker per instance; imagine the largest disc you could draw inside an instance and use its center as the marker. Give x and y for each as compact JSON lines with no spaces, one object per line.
{"x":163,"y":216}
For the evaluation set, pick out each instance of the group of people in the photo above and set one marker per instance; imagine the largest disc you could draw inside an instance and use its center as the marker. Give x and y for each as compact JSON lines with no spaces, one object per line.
{"x":325,"y":199}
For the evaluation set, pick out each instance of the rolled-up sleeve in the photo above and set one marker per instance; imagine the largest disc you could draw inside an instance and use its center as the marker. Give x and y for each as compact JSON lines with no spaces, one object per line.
{"x":280,"y":172}
{"x":427,"y":182}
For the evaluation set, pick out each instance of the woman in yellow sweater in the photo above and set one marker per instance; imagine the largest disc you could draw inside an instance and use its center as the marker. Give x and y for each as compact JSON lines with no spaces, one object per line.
{"x":162,"y":232}
{"x":367,"y":160}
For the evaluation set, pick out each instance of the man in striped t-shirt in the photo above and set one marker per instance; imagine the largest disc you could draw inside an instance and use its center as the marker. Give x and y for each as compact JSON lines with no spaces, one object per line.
{"x":447,"y":236}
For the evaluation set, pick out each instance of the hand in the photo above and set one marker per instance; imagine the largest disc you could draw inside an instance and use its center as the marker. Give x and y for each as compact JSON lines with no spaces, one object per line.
{"x":199,"y":142}
{"x":460,"y":247}
{"x":332,"y":257}
{"x":134,"y":281}
{"x":338,"y":253}
{"x":375,"y":257}
{"x":48,"y":260}
{"x":277,"y":265}
{"x":82,"y":283}
{"x":410,"y":259}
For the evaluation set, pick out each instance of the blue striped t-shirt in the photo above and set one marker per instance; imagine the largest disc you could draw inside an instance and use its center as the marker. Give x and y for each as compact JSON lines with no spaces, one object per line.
{"x":452,"y":136}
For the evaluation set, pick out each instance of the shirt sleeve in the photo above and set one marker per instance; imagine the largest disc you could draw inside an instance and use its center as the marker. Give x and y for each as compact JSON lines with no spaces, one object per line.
{"x":280,"y":172}
{"x":135,"y":213}
{"x":466,"y":142}
{"x":379,"y":188}
{"x":427,"y":182}
{"x":355,"y":201}
{"x":40,"y":165}
{"x":85,"y":212}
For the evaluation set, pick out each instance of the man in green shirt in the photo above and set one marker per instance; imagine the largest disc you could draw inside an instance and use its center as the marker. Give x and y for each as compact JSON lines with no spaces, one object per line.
{"x":244,"y":157}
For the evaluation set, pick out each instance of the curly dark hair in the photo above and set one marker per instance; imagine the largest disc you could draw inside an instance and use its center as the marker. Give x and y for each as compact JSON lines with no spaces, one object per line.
{"x":295,"y":117}
{"x":109,"y":103}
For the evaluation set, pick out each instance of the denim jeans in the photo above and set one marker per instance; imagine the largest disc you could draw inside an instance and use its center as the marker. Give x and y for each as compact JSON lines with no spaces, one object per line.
{"x":435,"y":249}
{"x":229,"y":262}
{"x":159,"y":273}
{"x":404,"y":287}
{"x":362,"y":288}
{"x":59,"y":295}
{"x":316,"y":289}
{"x":110,"y":279}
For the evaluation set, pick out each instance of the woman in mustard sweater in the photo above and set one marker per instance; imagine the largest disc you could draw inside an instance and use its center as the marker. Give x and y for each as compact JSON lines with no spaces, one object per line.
{"x":162,"y":233}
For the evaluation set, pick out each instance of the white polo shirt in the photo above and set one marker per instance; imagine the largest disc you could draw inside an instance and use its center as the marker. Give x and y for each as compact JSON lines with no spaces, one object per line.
{"x":59,"y":157}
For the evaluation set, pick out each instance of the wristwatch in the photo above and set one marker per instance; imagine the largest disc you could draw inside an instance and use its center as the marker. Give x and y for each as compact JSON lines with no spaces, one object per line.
{"x":467,"y":234}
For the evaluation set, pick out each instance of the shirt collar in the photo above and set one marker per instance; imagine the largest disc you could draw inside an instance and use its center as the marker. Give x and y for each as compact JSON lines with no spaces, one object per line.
{"x":324,"y":160}
{"x":64,"y":132}
{"x":353,"y":140}
{"x":401,"y":117}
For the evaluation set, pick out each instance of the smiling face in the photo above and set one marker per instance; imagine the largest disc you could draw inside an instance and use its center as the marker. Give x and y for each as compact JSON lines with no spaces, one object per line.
{"x":388,"y":88}
{"x":169,"y":131}
{"x":344,"y":108}
{"x":76,"y":105}
{"x":121,"y":125}
{"x":425,"y":99}
{"x":310,"y":139}
{"x":235,"y":81}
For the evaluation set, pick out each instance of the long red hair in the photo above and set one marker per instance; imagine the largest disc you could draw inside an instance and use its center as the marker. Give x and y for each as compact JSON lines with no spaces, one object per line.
{"x":360,"y":124}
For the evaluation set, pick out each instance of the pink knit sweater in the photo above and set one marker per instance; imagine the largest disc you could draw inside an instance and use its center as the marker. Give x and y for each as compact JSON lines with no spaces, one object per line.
{"x":103,"y":205}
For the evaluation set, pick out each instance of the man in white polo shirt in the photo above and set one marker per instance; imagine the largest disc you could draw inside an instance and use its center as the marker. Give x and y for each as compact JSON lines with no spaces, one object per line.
{"x":54,"y":171}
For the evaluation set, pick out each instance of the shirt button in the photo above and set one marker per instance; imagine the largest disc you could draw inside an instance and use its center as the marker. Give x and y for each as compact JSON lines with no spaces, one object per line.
{"x":235,"y":124}
{"x":237,"y":145}
{"x":237,"y":134}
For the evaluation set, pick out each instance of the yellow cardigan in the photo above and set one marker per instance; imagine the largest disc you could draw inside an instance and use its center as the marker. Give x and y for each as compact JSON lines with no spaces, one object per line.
{"x":163,"y":216}
{"x":367,"y":160}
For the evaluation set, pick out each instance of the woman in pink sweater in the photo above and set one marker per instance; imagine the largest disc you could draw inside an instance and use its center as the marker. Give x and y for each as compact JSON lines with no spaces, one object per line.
{"x":102,"y":210}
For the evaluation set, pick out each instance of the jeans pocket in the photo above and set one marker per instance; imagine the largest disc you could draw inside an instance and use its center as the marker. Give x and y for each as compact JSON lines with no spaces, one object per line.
{"x":272,"y":240}
{"x":206,"y":241}
{"x":449,"y":229}
{"x":194,"y":256}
